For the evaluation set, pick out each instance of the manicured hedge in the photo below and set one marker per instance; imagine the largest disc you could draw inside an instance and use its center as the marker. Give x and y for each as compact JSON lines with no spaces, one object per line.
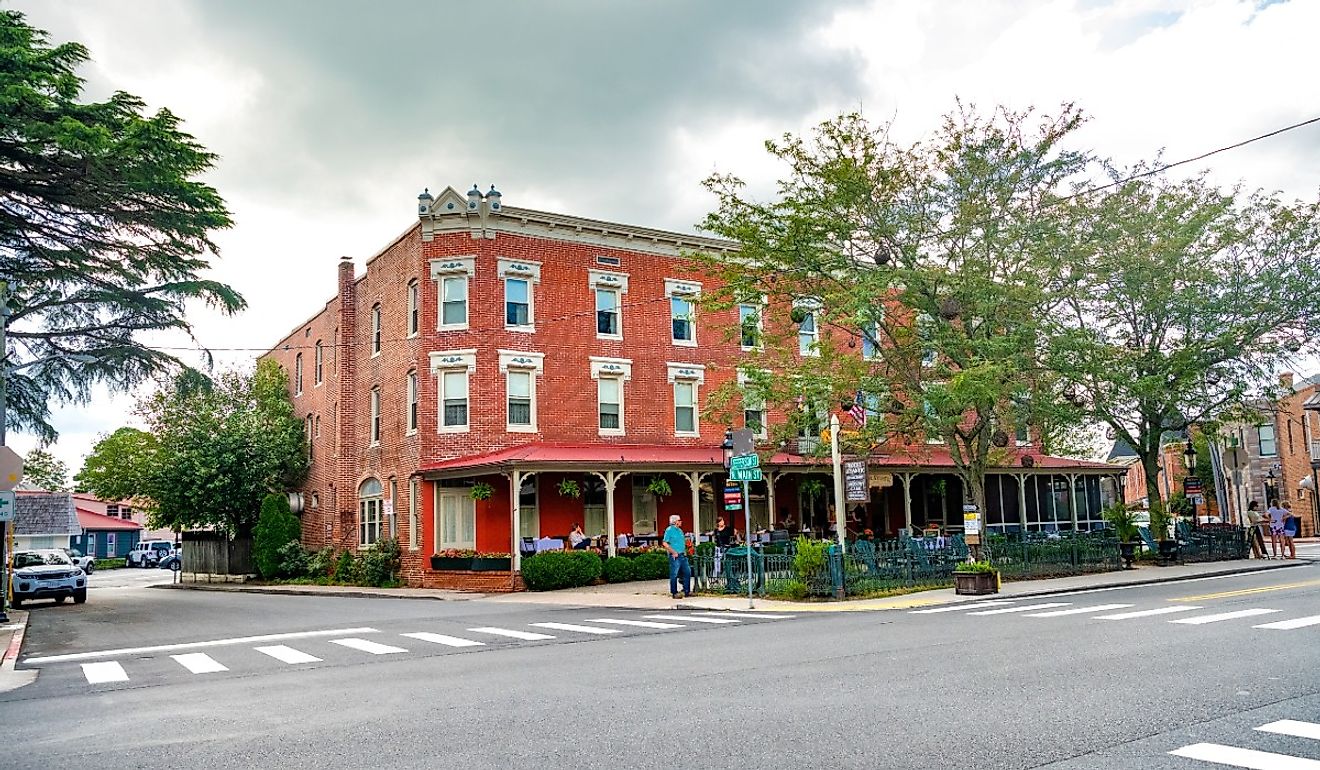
{"x":619,"y":569}
{"x":651,"y":566}
{"x":560,"y":569}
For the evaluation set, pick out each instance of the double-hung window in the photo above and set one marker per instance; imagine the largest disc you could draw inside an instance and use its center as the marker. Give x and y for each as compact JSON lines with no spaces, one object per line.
{"x":749,"y":326}
{"x":297,"y":374}
{"x":452,"y":369}
{"x":412,"y":402}
{"x":926,"y":336}
{"x":371,"y":504}
{"x":520,"y":279}
{"x":453,"y":277}
{"x":609,"y":289}
{"x":686,"y":379}
{"x":683,"y":311}
{"x":320,"y":362}
{"x":610,"y":375}
{"x":375,"y":415}
{"x":414,"y":308}
{"x":871,"y":339}
{"x":805,"y":313}
{"x":375,"y":329}
{"x":1269,"y":447}
{"x":520,"y":371}
{"x":753,"y":407}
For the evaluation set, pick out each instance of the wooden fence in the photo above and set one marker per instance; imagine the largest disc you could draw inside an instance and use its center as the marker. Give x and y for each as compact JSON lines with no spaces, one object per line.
{"x":215,"y":554}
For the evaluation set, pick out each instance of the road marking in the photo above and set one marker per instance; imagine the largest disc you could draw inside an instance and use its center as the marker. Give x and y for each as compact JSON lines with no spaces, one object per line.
{"x":1078,"y":610}
{"x":196,"y":645}
{"x":375,"y":648}
{"x":1248,"y":758}
{"x":448,"y":641}
{"x":693,"y":619}
{"x":1023,"y":608}
{"x":199,"y":663}
{"x":1288,"y":625}
{"x":1148,"y":613}
{"x":579,"y":629}
{"x":962,"y":606}
{"x":636,"y":623}
{"x":524,"y":635}
{"x":1294,"y":728}
{"x":1247,"y":591}
{"x":1202,"y":619}
{"x":288,"y":654}
{"x":757,"y":615}
{"x":106,"y":671}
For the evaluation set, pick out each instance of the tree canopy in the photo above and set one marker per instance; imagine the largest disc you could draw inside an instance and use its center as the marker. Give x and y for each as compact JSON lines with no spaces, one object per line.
{"x":105,"y":230}
{"x":45,"y":470}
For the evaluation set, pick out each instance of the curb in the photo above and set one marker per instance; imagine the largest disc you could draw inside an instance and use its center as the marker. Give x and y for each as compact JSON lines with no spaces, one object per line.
{"x":1173,"y":579}
{"x":354,"y":593}
{"x":9,"y":678}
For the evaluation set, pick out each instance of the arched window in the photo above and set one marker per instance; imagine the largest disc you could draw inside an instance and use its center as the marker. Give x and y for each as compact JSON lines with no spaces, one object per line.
{"x":371,"y":501}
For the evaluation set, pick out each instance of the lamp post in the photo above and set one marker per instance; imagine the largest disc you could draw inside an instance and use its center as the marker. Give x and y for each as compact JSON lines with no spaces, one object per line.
{"x":1271,"y":488}
{"x":1189,"y":456}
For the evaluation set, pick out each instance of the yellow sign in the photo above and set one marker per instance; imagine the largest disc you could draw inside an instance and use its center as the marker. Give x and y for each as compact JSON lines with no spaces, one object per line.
{"x":880,"y":480}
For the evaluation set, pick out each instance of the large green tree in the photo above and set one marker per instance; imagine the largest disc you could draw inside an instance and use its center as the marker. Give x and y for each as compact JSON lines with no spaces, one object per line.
{"x":213,"y":450}
{"x":916,"y":275}
{"x":104,"y":230}
{"x":1181,"y":300}
{"x":45,"y":470}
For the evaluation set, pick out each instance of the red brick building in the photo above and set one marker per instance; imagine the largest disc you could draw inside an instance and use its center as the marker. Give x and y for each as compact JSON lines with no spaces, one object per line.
{"x":516,"y":350}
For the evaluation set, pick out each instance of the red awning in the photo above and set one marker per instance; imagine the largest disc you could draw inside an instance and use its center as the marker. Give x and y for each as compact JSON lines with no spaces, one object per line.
{"x":678,"y":457}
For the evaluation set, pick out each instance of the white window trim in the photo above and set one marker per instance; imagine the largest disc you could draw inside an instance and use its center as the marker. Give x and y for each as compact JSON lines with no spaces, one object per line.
{"x":318,"y":372}
{"x":604,"y":280}
{"x":763,"y":433}
{"x":611,"y":368}
{"x":452,"y":267}
{"x":760,"y":306}
{"x":695,"y":374}
{"x":521,"y":361}
{"x":414,"y":291}
{"x":690,"y":291}
{"x":525,"y":270}
{"x":877,"y":321}
{"x":374,"y":429}
{"x":813,"y":305}
{"x":442,"y":361}
{"x":411,"y":380}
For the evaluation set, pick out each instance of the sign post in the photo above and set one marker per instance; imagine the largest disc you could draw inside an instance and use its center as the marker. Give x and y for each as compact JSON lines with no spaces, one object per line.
{"x":971,"y":525}
{"x":11,"y":472}
{"x":747,"y":465}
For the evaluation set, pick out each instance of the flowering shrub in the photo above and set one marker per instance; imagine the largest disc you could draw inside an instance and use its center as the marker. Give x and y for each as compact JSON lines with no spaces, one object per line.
{"x":493,"y":555}
{"x":459,"y":553}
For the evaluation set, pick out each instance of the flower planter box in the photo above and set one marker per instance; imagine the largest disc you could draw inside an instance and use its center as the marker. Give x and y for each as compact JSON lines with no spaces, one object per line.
{"x":975,"y":583}
{"x":491,"y":564}
{"x":452,"y":562}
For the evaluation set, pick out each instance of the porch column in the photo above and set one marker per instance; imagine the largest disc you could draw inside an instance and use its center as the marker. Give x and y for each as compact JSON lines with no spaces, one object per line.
{"x":772,"y":513}
{"x":694,"y":481}
{"x":907,"y":500}
{"x":515,"y":481}
{"x":611,"y":478}
{"x":1072,"y":498}
{"x":1022,"y":500}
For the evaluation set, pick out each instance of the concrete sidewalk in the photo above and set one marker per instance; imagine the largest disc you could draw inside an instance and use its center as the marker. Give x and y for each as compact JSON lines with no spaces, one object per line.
{"x":11,"y":641}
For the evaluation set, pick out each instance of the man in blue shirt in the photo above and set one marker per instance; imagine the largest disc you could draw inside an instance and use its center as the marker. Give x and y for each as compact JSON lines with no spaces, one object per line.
{"x":676,"y":545}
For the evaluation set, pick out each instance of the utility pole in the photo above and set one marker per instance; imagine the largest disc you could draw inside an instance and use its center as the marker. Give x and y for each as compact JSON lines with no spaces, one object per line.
{"x":4,"y":420}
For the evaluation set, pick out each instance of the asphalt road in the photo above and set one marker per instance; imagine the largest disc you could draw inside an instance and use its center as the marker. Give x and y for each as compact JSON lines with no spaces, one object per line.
{"x":1089,"y":686}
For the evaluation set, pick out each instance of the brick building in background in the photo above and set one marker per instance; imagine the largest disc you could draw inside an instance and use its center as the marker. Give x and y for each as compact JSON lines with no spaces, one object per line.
{"x":520,"y":349}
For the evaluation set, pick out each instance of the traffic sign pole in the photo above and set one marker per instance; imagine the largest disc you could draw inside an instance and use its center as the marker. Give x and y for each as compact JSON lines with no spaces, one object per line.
{"x":4,"y":420}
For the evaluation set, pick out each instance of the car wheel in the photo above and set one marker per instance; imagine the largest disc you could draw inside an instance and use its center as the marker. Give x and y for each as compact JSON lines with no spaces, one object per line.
{"x":79,"y":597}
{"x":91,"y":567}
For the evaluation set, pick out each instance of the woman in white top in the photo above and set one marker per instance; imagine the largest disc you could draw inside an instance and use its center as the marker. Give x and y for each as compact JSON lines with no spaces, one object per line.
{"x":1277,"y":518}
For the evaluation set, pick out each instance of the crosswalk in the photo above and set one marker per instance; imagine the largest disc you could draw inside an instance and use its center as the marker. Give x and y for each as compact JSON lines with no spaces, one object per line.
{"x":232,"y":654}
{"x":1257,"y":759}
{"x":1067,"y":609}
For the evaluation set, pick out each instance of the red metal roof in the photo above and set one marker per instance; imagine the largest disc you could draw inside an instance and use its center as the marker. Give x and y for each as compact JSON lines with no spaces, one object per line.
{"x":92,"y":520}
{"x":689,"y":456}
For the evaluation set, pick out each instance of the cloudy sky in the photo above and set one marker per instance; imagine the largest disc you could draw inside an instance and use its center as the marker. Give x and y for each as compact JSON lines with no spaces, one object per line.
{"x":329,"y":118}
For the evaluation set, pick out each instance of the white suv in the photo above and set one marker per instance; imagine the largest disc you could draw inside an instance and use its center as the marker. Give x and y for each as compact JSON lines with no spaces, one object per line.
{"x":47,"y":573}
{"x":148,"y":553}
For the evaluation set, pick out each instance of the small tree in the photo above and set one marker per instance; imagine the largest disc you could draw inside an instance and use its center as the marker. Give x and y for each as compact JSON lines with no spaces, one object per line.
{"x":276,"y":528}
{"x":43,"y":469}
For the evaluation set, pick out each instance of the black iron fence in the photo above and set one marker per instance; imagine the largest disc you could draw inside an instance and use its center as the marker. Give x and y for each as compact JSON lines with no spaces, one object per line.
{"x":1213,"y":542}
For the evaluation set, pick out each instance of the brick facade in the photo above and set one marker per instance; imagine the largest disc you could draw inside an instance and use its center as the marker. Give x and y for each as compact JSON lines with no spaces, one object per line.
{"x":1298,"y":431}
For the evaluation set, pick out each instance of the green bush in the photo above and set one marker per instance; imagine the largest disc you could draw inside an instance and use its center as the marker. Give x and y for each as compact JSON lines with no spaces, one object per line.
{"x":348,"y":569}
{"x":619,"y":569}
{"x":275,"y":527}
{"x":321,"y":564}
{"x":811,"y":560}
{"x":652,"y":565}
{"x":553,"y":570}
{"x":788,"y":589}
{"x":974,"y":567}
{"x":291,"y":559}
{"x":381,"y":563}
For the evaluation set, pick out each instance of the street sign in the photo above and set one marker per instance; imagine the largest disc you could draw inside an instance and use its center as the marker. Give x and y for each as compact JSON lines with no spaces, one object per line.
{"x":742,"y":462}
{"x":732,"y":498}
{"x":11,"y":468}
{"x":745,"y":474}
{"x":8,"y":503}
{"x":854,"y":481}
{"x":744,"y":441}
{"x":1192,"y":485}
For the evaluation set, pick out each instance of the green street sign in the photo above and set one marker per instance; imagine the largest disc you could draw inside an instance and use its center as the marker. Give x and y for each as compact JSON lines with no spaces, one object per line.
{"x":7,"y":506}
{"x":745,"y":474}
{"x":743,"y":462}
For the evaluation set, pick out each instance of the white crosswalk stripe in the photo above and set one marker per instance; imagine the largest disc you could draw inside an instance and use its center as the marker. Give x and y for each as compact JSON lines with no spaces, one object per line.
{"x":693,"y":619}
{"x":286,"y":654}
{"x":1203,"y":619}
{"x":448,"y":641}
{"x":1246,"y":758}
{"x":1294,"y":728}
{"x":1149,"y":613}
{"x":1023,"y":608}
{"x":1077,"y":611}
{"x":1289,"y":625}
{"x":375,"y":648}
{"x":526,"y":636}
{"x":578,"y":629}
{"x":105,"y":671}
{"x":199,"y":663}
{"x":962,"y":606}
{"x":636,"y":623}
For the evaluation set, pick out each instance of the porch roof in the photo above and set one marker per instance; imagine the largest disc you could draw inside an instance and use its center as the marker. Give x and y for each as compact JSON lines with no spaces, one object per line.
{"x":661,"y":456}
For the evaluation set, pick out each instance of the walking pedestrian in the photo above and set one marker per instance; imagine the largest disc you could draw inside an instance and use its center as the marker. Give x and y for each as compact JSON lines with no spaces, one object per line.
{"x":1256,"y":523}
{"x":1277,"y":518}
{"x":676,"y":545}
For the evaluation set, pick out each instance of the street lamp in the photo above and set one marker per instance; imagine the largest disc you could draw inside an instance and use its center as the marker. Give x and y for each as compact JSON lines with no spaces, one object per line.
{"x":1271,"y":488}
{"x":727,"y":447}
{"x":1189,"y":456}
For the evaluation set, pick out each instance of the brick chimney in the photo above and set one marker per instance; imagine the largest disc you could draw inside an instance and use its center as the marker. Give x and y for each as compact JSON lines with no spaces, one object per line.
{"x":346,"y":420}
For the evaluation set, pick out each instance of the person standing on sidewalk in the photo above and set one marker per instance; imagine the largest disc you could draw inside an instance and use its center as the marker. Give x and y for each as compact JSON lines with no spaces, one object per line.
{"x":1291,"y":524}
{"x":676,"y":545}
{"x":1255,"y":520}
{"x":1277,"y":517}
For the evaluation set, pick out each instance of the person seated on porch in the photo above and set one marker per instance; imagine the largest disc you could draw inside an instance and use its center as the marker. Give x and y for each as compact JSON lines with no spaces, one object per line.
{"x":725,"y":537}
{"x":831,"y":519}
{"x":786,"y":521}
{"x":577,"y":539}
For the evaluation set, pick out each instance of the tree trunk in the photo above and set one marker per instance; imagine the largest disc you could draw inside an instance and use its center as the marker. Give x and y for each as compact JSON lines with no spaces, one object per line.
{"x":1150,"y":463}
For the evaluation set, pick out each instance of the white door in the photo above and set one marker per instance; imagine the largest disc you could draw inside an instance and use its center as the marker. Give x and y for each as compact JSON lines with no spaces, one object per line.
{"x":644,"y":511}
{"x":456,"y":525}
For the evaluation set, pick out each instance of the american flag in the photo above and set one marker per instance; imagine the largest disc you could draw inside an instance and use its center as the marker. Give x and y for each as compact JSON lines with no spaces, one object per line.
{"x":858,"y":409}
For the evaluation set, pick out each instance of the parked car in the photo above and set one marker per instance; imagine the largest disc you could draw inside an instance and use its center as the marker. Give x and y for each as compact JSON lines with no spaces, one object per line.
{"x":47,"y":573}
{"x":85,"y":563}
{"x":148,"y":553}
{"x":174,"y":561}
